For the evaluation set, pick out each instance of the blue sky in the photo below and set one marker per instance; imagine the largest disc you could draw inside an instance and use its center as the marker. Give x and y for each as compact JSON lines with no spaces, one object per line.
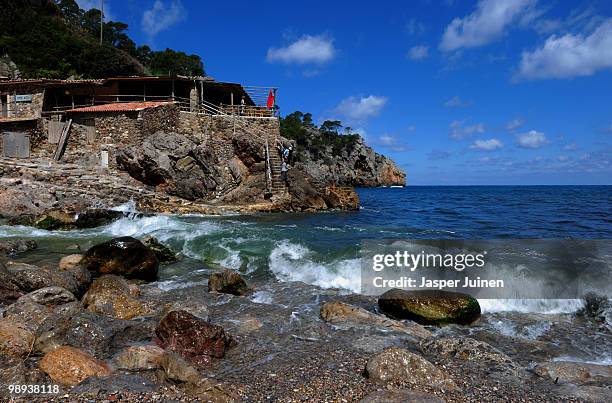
{"x":456,"y":92}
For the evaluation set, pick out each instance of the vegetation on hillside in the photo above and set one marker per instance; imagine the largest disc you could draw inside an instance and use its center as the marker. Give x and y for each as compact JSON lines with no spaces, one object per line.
{"x":57,"y":39}
{"x":318,"y":141}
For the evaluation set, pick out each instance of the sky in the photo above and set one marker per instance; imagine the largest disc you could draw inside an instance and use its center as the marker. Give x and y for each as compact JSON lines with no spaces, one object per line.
{"x":456,"y":92}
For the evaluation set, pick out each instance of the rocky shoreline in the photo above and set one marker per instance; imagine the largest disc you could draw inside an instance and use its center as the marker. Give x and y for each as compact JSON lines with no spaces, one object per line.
{"x":101,"y":326}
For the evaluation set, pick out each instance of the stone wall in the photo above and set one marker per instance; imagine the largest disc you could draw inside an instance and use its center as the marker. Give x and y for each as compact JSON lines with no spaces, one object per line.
{"x":29,"y":109}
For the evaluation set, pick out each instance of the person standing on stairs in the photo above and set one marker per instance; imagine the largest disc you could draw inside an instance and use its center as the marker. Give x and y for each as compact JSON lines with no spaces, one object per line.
{"x":242,"y":106}
{"x":283,"y":173}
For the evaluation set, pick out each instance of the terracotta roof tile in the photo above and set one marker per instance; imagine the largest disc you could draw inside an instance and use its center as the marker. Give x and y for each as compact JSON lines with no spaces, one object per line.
{"x":120,"y":107}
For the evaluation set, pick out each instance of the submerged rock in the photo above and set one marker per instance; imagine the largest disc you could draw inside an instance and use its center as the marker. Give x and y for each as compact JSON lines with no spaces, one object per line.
{"x":113,"y":296}
{"x":401,"y":366}
{"x":228,"y":282}
{"x":12,"y":247}
{"x":430,"y":307}
{"x":177,"y":369}
{"x":69,"y":366}
{"x":100,"y":387}
{"x":124,"y":256}
{"x":193,"y":338}
{"x":163,"y":253}
{"x":341,"y":313}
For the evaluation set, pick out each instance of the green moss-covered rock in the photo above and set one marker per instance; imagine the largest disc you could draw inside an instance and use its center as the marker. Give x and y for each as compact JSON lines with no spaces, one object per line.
{"x":430,"y":307}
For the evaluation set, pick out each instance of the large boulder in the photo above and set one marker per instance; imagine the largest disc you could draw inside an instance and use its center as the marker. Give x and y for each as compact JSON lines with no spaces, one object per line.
{"x":400,"y":396}
{"x":11,"y":247}
{"x":124,"y":256}
{"x":339,"y":313}
{"x":397,"y":365}
{"x":193,"y":338}
{"x":17,"y":200}
{"x":114,"y":296}
{"x":228,"y":282}
{"x":49,"y":296}
{"x":430,"y":307}
{"x":9,"y":290}
{"x":70,"y":366}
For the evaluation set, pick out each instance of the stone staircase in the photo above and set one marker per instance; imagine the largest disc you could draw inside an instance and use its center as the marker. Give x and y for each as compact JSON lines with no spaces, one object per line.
{"x":278,"y":185}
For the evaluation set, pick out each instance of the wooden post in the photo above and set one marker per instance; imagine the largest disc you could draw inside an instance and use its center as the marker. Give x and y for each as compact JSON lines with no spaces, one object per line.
{"x":232,"y":98}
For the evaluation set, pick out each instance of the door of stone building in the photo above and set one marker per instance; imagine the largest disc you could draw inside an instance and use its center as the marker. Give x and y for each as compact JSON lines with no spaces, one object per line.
{"x":54,"y":131}
{"x":16,"y":145}
{"x":3,"y":106}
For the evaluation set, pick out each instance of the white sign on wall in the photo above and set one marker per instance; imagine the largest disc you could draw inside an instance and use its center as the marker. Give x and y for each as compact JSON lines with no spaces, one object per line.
{"x":23,"y":98}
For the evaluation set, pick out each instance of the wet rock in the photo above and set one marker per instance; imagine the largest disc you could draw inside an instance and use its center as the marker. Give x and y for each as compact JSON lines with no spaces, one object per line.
{"x":397,"y":365}
{"x":69,"y":262}
{"x":468,"y":349}
{"x":9,"y":290}
{"x":400,"y":396}
{"x":193,"y":338}
{"x":576,"y":373}
{"x":177,"y":369}
{"x":69,"y":366}
{"x":341,"y":313}
{"x":15,"y":338}
{"x":12,"y":247}
{"x":20,"y":200}
{"x":113,"y":296}
{"x":97,"y":217}
{"x":196,"y":308}
{"x":55,"y":220}
{"x":99,"y":388}
{"x":228,"y":282}
{"x":28,"y":312}
{"x":49,"y":296}
{"x":430,"y":307}
{"x":99,"y":335}
{"x":29,"y":278}
{"x":124,"y":256}
{"x":81,"y":275}
{"x":139,"y":358}
{"x":19,"y":371}
{"x":163,"y":253}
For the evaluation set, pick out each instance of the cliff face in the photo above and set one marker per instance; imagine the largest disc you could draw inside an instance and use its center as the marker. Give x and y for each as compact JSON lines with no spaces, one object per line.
{"x":354,"y":164}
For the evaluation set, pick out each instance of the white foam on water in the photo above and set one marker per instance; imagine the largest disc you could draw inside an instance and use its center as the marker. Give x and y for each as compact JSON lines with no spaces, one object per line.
{"x":262,"y":297}
{"x":605,"y":360}
{"x":232,"y":260}
{"x":127,"y":207}
{"x":169,"y":285}
{"x":547,"y":306}
{"x":510,"y":329}
{"x":294,"y":262}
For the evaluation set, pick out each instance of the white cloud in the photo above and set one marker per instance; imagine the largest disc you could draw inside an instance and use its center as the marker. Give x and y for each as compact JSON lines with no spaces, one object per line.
{"x":456,"y":102}
{"x":391,"y":142}
{"x":414,"y":27}
{"x":418,"y":52}
{"x":514,"y":124}
{"x":570,"y":147}
{"x":570,"y":55}
{"x":563,"y":158}
{"x":318,"y":49}
{"x":358,"y":109}
{"x":162,"y":16}
{"x":532,"y":139}
{"x":487,"y":145}
{"x":458,"y":131}
{"x":486,"y":24}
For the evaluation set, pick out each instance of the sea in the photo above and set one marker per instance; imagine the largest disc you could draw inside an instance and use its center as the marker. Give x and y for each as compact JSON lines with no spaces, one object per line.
{"x":322,"y":250}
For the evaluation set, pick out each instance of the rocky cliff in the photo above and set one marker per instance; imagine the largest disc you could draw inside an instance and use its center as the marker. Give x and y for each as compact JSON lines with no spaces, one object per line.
{"x":356,"y":164}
